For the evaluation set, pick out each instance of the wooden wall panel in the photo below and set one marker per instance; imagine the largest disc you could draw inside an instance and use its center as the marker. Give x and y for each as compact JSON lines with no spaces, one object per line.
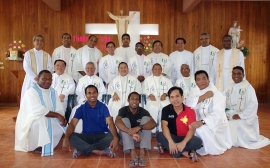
{"x":25,"y":18}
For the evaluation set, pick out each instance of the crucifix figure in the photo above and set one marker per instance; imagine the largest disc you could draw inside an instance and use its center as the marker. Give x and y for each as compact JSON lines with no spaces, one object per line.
{"x":72,"y":56}
{"x":163,"y":85}
{"x":130,"y":87}
{"x":134,"y":28}
{"x":203,"y":110}
{"x":241,"y":98}
{"x":63,"y":86}
{"x":121,"y":23}
{"x":213,"y":58}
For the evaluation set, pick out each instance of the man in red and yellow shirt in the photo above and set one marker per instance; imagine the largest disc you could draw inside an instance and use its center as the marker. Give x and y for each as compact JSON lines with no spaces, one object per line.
{"x":177,"y":134}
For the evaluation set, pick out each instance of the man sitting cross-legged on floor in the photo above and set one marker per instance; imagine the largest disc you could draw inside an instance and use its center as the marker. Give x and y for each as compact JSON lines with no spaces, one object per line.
{"x":96,"y":137}
{"x":177,"y":133}
{"x":135,"y":125}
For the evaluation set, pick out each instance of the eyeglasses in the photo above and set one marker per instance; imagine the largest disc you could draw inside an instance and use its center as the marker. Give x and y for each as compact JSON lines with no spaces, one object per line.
{"x":46,"y":79}
{"x":140,"y":47}
{"x":184,"y":69}
{"x":204,"y":39}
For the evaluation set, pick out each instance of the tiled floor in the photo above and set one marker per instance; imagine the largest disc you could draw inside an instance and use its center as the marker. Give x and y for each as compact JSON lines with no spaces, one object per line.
{"x":235,"y":157}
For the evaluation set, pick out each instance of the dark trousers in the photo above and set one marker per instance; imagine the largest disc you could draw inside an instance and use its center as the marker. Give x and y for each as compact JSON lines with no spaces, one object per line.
{"x":193,"y":144}
{"x":86,"y":143}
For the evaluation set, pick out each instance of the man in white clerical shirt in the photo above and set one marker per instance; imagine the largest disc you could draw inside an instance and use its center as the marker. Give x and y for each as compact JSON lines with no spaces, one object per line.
{"x":125,"y":51}
{"x":140,"y":65}
{"x":35,"y":60}
{"x":62,"y":82}
{"x":67,"y":53}
{"x":120,"y":87}
{"x":108,"y":64}
{"x":88,"y":53}
{"x":186,"y":82}
{"x":158,"y":57}
{"x":89,"y":79}
{"x":40,"y":121}
{"x":242,"y":106}
{"x":211,"y":125}
{"x":204,"y":56}
{"x":155,"y":88}
{"x":226,"y":59}
{"x":179,"y":57}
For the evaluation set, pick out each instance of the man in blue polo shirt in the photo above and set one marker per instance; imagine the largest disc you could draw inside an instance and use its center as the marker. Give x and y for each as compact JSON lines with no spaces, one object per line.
{"x":177,"y":133}
{"x":96,"y":137}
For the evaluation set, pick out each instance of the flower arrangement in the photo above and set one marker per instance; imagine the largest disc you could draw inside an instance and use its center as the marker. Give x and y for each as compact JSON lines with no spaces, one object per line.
{"x":15,"y":50}
{"x":242,"y":48}
{"x":18,"y":46}
{"x":147,"y":41}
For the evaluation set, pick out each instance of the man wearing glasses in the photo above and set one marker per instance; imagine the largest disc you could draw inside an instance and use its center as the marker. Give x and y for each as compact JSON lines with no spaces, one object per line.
{"x":186,"y":82}
{"x":40,"y":122}
{"x":204,"y":56}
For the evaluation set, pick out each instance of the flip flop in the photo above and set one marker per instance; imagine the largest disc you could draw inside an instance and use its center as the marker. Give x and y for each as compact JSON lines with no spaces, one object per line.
{"x":109,"y":152}
{"x":76,"y":153}
{"x":194,"y":158}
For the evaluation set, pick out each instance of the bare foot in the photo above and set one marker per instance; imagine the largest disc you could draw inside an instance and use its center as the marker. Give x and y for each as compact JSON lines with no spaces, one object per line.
{"x":142,"y":153}
{"x":142,"y":160}
{"x":133,"y":154}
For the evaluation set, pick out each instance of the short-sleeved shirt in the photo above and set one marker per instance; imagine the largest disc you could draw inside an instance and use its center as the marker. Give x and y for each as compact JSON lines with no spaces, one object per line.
{"x":94,"y":119}
{"x":135,"y":119}
{"x":178,"y":124}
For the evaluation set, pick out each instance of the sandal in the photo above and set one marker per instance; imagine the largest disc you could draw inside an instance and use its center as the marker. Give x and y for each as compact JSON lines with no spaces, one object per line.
{"x":109,"y":152}
{"x":160,"y":148}
{"x":194,"y":158}
{"x":133,"y":162}
{"x":142,"y":162}
{"x":76,"y":153}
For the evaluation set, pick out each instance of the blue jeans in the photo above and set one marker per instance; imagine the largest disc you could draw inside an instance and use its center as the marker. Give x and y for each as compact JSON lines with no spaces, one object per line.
{"x":193,"y":144}
{"x":86,"y":143}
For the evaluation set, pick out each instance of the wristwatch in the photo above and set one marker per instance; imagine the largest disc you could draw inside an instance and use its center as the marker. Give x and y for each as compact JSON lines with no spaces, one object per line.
{"x":203,"y":122}
{"x":141,"y":127}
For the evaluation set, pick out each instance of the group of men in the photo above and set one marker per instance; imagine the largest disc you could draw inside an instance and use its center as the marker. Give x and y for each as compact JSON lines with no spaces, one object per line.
{"x":186,"y":112}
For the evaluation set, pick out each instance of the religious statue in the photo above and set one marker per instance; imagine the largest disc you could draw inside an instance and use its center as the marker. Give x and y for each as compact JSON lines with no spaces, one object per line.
{"x":121,"y":23}
{"x":235,"y":33}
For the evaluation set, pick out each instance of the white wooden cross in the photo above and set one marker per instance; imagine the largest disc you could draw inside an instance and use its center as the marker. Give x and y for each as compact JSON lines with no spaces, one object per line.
{"x":135,"y":29}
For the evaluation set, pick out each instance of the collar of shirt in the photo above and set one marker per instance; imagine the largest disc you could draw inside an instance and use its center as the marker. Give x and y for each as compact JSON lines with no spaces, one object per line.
{"x":96,"y":106}
{"x":90,"y":79}
{"x":38,"y":51}
{"x":171,"y":107}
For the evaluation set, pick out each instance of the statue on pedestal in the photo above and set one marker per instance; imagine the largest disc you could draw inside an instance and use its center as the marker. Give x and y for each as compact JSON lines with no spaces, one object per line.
{"x":235,"y":33}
